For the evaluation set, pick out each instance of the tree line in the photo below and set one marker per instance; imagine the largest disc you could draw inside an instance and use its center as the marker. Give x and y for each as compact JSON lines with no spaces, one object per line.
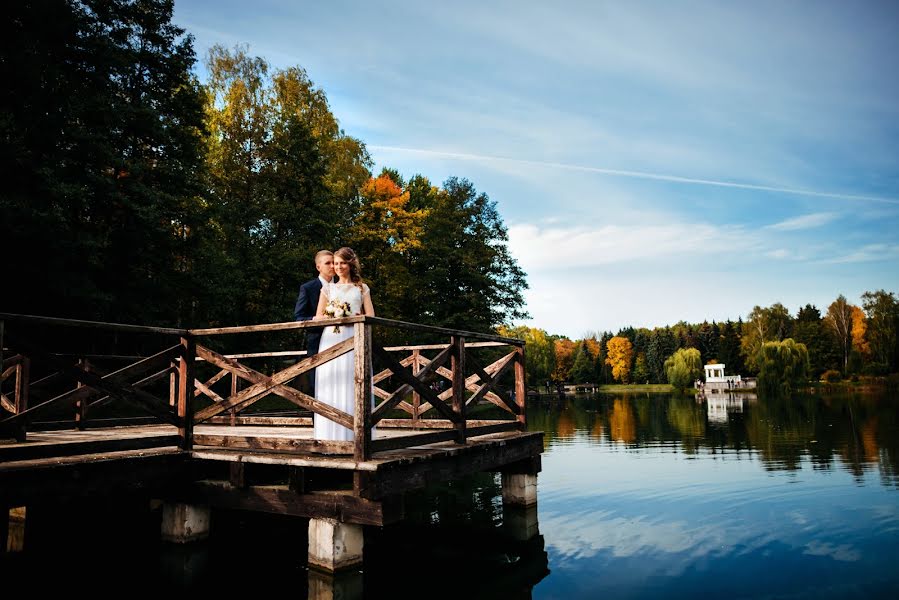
{"x":843,"y":341}
{"x":140,"y":194}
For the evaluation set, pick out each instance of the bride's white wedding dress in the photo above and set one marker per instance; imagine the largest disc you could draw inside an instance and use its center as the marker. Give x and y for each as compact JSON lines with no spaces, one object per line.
{"x":334,"y":380}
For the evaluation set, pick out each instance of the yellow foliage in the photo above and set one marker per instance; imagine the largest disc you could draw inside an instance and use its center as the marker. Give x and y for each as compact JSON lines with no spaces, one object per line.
{"x":564,"y":359}
{"x":859,"y":328}
{"x":384,"y":217}
{"x":619,"y":355}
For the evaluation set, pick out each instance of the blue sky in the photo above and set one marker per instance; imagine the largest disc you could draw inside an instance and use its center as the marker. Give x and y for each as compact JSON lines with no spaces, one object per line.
{"x":653,"y":161}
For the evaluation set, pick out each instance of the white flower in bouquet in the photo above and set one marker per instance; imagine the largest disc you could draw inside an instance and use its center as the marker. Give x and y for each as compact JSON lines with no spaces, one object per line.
{"x":337,"y":309}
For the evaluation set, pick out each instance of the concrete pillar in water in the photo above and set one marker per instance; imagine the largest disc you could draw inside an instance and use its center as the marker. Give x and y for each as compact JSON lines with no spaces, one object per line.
{"x":519,"y":489}
{"x":182,"y":523}
{"x":13,"y":531}
{"x":346,"y":585}
{"x":520,"y":522}
{"x":334,"y":545}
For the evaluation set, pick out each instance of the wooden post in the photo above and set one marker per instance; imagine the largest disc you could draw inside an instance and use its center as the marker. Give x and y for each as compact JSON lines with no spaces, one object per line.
{"x":363,"y":373}
{"x":233,"y":393}
{"x":81,"y":404}
{"x":521,"y":389}
{"x":186,"y":393}
{"x":173,"y":385}
{"x":458,"y":367}
{"x":416,"y":397}
{"x":22,"y":383}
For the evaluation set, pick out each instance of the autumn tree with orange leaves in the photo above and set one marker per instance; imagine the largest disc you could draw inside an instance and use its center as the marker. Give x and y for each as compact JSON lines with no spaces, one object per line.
{"x":619,"y":354}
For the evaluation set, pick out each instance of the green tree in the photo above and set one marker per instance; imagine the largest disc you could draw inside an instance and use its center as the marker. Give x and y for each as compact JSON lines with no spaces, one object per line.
{"x":729,"y":346}
{"x":683,"y":368}
{"x":660,"y":347}
{"x":763,"y":324}
{"x":465,"y":276}
{"x":539,"y":352}
{"x":582,"y":369}
{"x":641,"y":371}
{"x":810,"y":330}
{"x":783,"y":366}
{"x":101,"y":122}
{"x":882,"y":309}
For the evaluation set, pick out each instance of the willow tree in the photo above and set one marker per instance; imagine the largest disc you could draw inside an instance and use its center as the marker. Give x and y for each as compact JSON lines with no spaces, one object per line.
{"x":683,"y":368}
{"x":782,"y":366}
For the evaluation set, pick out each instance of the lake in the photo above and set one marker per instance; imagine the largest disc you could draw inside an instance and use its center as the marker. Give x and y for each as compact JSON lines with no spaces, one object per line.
{"x":640,"y":496}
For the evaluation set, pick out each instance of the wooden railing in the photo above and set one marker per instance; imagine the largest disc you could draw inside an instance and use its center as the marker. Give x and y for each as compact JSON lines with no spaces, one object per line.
{"x":426,"y":393}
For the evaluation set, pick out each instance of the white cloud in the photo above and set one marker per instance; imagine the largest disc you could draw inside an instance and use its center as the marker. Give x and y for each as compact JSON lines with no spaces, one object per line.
{"x":868,"y":253}
{"x":779,"y":253}
{"x":842,"y":553}
{"x":805,"y":221}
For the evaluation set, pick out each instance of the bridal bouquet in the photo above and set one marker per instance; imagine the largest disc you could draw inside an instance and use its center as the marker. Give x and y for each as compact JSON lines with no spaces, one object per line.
{"x":337,"y":309}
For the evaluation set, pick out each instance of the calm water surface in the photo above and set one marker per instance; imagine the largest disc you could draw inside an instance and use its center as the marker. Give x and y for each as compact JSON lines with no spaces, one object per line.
{"x":641,"y":496}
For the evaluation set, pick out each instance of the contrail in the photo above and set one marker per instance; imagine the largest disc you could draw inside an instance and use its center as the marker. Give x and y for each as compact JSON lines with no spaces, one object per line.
{"x":639,"y":174}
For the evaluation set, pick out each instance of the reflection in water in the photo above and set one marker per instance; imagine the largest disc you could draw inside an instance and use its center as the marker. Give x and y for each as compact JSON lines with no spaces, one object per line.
{"x":731,"y":495}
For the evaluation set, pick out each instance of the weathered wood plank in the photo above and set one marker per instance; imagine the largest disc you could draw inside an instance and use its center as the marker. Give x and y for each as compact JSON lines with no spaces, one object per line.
{"x":405,"y":424}
{"x":362,"y":370}
{"x":280,"y":499}
{"x":291,"y":444}
{"x":458,"y":385}
{"x":416,"y":384}
{"x":272,"y":421}
{"x":263,"y":384}
{"x":91,"y":324}
{"x":184,"y":406}
{"x":202,"y":388}
{"x":126,"y":393}
{"x":387,"y":372}
{"x":432,"y":329}
{"x":441,"y":346}
{"x":214,"y":379}
{"x":398,"y":395}
{"x":418,"y":439}
{"x":287,"y":325}
{"x":489,"y":381}
{"x":521,"y":390}
{"x":32,"y":451}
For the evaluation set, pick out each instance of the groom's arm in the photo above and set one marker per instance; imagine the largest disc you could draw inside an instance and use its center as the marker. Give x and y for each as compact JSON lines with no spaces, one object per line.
{"x":304,"y":306}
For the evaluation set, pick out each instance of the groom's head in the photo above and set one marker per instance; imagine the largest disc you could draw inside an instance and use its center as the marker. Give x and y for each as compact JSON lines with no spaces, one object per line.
{"x":324,"y":264}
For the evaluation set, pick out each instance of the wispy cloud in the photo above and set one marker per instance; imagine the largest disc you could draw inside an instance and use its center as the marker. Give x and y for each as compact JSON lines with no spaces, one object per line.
{"x":805,"y":221}
{"x":640,"y":174}
{"x":868,"y":253}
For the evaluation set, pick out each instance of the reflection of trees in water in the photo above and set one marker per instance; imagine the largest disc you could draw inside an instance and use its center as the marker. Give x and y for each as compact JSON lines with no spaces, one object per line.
{"x":622,"y":425}
{"x":857,"y":430}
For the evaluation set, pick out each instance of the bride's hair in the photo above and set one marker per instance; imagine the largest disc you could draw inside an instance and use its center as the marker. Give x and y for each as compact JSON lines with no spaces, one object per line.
{"x":351,"y":259}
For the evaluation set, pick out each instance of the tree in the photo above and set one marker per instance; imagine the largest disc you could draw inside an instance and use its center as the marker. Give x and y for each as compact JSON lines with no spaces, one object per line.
{"x":783,"y":366}
{"x":660,"y":347}
{"x":466,"y":277}
{"x":564,"y":351}
{"x":539,"y":352}
{"x":839,"y":321}
{"x":683,"y":368}
{"x":101,"y":121}
{"x":882,"y":309}
{"x":729,"y":347}
{"x":582,"y":368}
{"x":385,"y":235}
{"x":641,"y":372}
{"x":620,"y":354}
{"x":763,"y":324}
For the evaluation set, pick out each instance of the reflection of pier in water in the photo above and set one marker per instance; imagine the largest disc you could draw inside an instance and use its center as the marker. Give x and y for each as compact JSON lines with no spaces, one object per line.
{"x":721,"y":405}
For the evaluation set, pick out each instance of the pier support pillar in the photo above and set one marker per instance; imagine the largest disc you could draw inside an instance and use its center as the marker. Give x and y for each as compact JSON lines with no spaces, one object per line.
{"x":521,"y":522}
{"x":182,"y":523}
{"x":12,"y":530}
{"x":519,"y":489}
{"x":346,"y":585}
{"x":334,"y":545}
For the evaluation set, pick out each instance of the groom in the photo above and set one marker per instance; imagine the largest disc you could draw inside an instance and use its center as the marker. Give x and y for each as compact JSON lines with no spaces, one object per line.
{"x":307,"y":303}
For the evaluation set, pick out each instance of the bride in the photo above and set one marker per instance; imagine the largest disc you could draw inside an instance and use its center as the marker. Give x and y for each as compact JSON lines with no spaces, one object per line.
{"x":334,"y":379}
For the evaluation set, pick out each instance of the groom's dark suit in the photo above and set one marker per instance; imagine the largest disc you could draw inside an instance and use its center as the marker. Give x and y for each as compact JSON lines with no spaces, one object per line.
{"x":307,"y":303}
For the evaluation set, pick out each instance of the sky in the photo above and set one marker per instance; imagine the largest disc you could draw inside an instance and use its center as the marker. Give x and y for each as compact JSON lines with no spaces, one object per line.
{"x":654,"y":162}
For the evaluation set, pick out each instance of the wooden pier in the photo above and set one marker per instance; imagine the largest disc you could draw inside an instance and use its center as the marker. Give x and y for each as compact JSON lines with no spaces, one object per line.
{"x":196,"y":438}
